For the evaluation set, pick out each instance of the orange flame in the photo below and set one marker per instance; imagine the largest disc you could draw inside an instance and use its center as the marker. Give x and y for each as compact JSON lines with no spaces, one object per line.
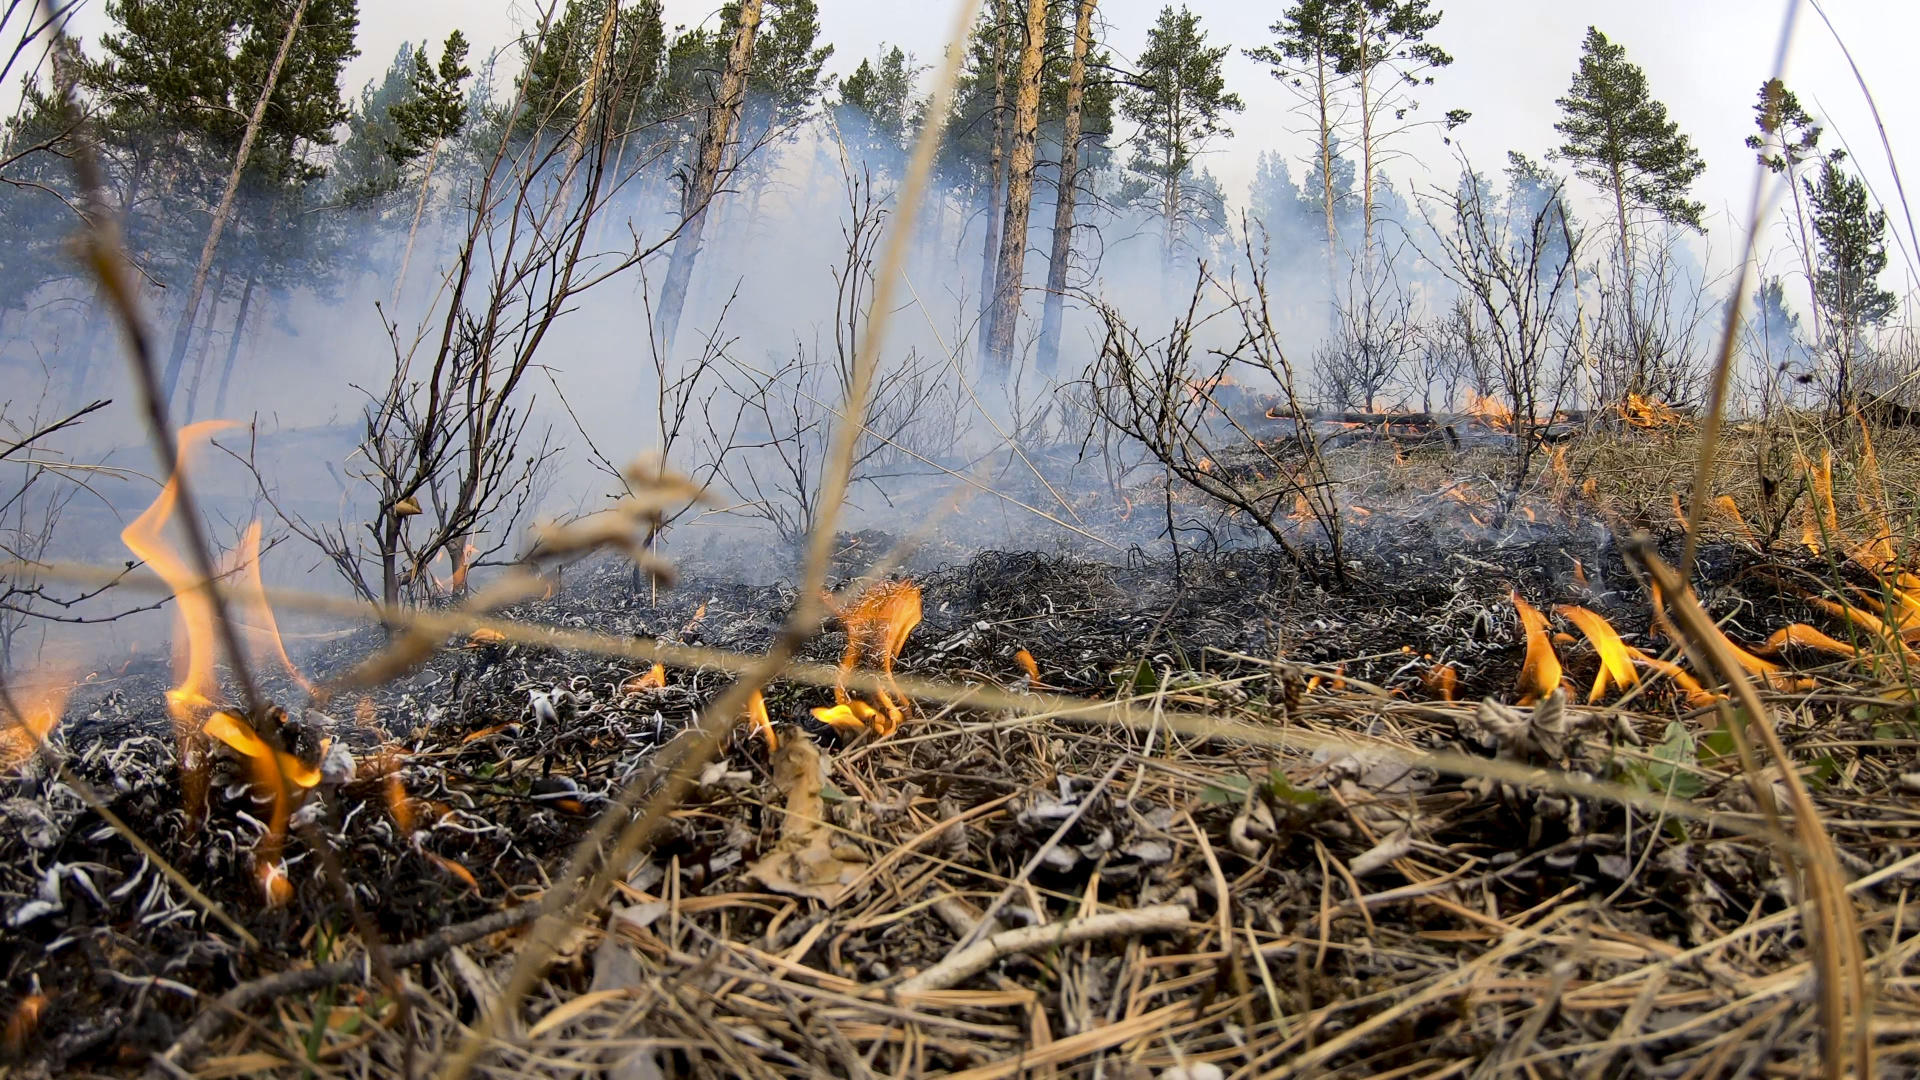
{"x":41,"y":704}
{"x":1441,"y":680}
{"x":757,"y":716}
{"x":1806,"y":637}
{"x":877,"y":623}
{"x":654,"y":678}
{"x":191,"y":699}
{"x":1769,"y":673}
{"x":458,"y":580}
{"x":1616,"y":663}
{"x":1489,"y":411}
{"x":1645,"y":413}
{"x":249,"y":608}
{"x":1028,"y":665}
{"x":1540,"y":672}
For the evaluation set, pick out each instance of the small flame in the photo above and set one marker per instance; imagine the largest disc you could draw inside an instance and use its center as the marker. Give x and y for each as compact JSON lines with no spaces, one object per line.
{"x":1647,"y":414}
{"x":1769,"y":673}
{"x":275,"y":888}
{"x":25,"y":1020}
{"x":654,"y":678}
{"x":1729,"y":510}
{"x":1697,"y":696}
{"x":757,"y":716}
{"x":249,"y":609}
{"x":1540,"y":672}
{"x":1805,"y":637}
{"x":456,"y":869}
{"x":1489,"y":411}
{"x":458,"y":580}
{"x":1616,"y":663}
{"x":191,"y":700}
{"x":1028,"y":665}
{"x":41,"y":703}
{"x":1441,"y":680}
{"x":877,"y":623}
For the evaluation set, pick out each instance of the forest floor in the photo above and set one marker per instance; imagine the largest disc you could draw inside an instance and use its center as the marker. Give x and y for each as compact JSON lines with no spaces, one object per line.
{"x":1316,"y":826}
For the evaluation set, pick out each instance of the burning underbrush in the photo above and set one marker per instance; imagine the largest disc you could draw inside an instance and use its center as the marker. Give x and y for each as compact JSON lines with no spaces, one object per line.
{"x":1476,"y":801}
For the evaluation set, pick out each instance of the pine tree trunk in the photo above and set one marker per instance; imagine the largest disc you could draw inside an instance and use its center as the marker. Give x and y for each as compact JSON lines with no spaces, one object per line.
{"x":419,"y":209}
{"x":233,"y":347}
{"x":1013,"y":234}
{"x":990,"y":248}
{"x":206,"y":346}
{"x":1323,"y":98}
{"x":589,"y":98}
{"x":171,"y":378}
{"x":1049,"y":355}
{"x":97,"y":316}
{"x":1365,"y":71}
{"x":1626,"y":269}
{"x":699,"y":194}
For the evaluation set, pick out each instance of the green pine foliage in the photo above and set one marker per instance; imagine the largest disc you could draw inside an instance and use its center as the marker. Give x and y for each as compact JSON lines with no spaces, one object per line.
{"x":1179,"y":103}
{"x":1852,"y":239}
{"x":1620,"y":139}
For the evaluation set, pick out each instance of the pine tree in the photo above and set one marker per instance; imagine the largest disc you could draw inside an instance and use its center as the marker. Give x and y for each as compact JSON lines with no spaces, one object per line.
{"x":1535,"y":194}
{"x":1620,"y":139}
{"x":786,"y":81}
{"x":364,"y":170}
{"x":1309,"y":41}
{"x":876,"y":101}
{"x":1072,"y":120}
{"x":718,"y":136}
{"x":240,"y":87}
{"x":1787,"y":139}
{"x":1383,"y":52}
{"x":1021,"y":159}
{"x":1179,"y":101}
{"x":1853,"y":253}
{"x":434,"y":111}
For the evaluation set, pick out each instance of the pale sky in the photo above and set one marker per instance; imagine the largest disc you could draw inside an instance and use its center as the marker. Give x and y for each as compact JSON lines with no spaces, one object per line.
{"x":1704,"y":58}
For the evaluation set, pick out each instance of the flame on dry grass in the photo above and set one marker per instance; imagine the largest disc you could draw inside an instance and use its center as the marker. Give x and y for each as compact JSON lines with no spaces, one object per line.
{"x":653,"y":678}
{"x":763,"y":724}
{"x":877,"y":625}
{"x":1028,"y":665}
{"x":1769,"y":673}
{"x":191,"y":701}
{"x":1490,"y":412}
{"x":194,"y":700}
{"x":249,"y":609}
{"x":1540,"y":671}
{"x":1441,"y":681}
{"x":1616,"y":660}
{"x":41,"y":700}
{"x":1648,"y":414}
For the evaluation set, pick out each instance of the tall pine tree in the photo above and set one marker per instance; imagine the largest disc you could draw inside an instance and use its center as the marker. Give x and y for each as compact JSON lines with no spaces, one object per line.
{"x":1853,"y":253}
{"x":1179,"y":102}
{"x":1620,"y":139}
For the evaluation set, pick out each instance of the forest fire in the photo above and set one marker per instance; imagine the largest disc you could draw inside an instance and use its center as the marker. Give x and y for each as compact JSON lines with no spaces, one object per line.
{"x":1179,"y":723}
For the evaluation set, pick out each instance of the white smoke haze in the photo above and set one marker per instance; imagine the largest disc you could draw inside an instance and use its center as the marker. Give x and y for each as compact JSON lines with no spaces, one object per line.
{"x":770,"y":304}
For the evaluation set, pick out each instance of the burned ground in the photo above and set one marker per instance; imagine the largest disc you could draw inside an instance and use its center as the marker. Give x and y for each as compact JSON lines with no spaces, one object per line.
{"x":476,"y":775}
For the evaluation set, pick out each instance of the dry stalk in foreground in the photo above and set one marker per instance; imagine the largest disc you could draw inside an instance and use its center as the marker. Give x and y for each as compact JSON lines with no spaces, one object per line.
{"x":563,"y":903}
{"x":1844,"y":1004}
